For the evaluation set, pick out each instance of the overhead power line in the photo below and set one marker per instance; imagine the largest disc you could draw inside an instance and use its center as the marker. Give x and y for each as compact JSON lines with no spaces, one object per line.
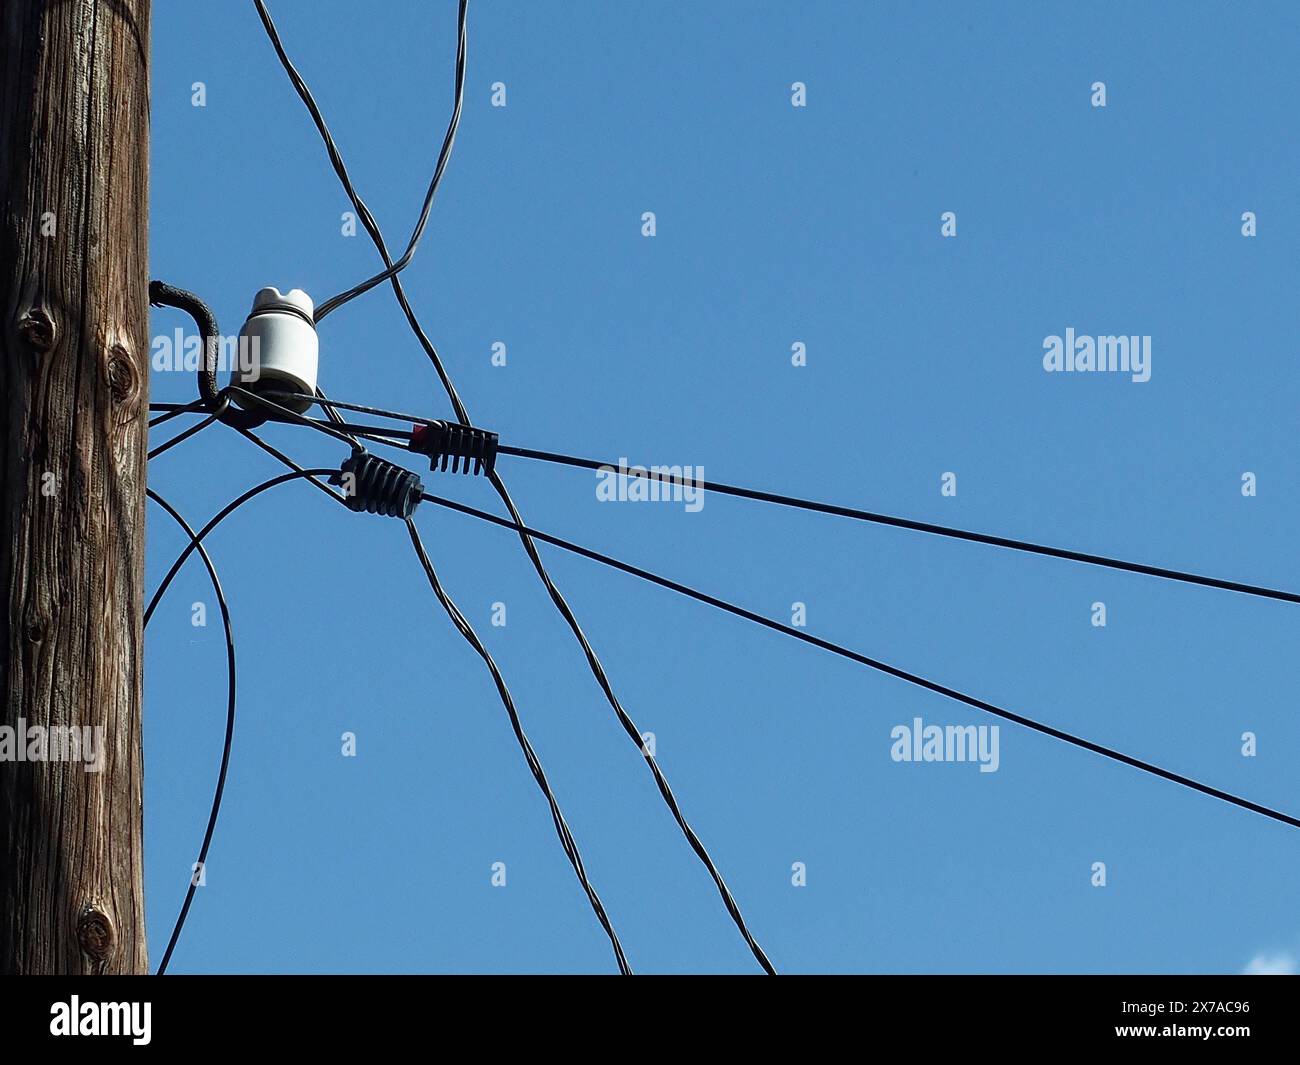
{"x":394,"y":491}
{"x":230,"y":720}
{"x":334,"y":302}
{"x":562,"y":828}
{"x":363,"y":212}
{"x":530,"y":756}
{"x":631,"y":730}
{"x":593,"y":660}
{"x":217,"y":519}
{"x":398,"y":438}
{"x":196,"y":544}
{"x":391,"y":269}
{"x":855,"y":656}
{"x":904,"y":523}
{"x":181,"y":437}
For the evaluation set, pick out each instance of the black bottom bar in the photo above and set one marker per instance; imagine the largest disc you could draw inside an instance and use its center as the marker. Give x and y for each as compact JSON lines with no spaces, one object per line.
{"x":907,"y":1013}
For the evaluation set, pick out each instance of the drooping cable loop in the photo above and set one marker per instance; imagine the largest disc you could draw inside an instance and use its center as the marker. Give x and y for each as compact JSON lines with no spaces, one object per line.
{"x":221,"y":515}
{"x":215,"y":809}
{"x":162,"y":294}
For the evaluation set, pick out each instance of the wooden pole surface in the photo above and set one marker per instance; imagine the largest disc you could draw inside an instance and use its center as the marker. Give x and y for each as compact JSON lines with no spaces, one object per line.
{"x":74,"y":391}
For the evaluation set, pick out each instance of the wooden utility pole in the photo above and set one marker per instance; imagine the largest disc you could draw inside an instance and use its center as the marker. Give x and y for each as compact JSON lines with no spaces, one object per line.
{"x":74,"y":392}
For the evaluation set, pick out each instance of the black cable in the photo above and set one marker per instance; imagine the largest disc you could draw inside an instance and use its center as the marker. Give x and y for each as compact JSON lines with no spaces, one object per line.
{"x":222,"y":404}
{"x":391,"y":269}
{"x":363,"y":212}
{"x":629,"y":726}
{"x":359,"y":408}
{"x":378,"y":433}
{"x":174,"y":410}
{"x":337,"y":420}
{"x":905,"y":523}
{"x":868,"y":516}
{"x":274,"y":453}
{"x":285,"y":414}
{"x":444,"y":154}
{"x":377,"y":238}
{"x":530,"y":756}
{"x":336,"y":429}
{"x":162,"y":294}
{"x":230,"y":719}
{"x":854,"y":656}
{"x":221,"y":516}
{"x":196,"y":543}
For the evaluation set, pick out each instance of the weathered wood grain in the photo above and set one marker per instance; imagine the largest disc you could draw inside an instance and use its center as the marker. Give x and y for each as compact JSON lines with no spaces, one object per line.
{"x":74,"y":125}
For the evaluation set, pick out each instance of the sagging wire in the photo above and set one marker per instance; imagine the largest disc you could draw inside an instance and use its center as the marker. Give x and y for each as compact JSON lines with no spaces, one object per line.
{"x":903,"y":523}
{"x":218,"y":518}
{"x":400,"y":438}
{"x":861,"y":659}
{"x":462,"y":415}
{"x":562,"y":830}
{"x":391,"y":269}
{"x":380,"y":487}
{"x":230,"y":720}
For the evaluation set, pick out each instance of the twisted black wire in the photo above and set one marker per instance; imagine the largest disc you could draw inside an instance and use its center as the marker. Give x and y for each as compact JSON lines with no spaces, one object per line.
{"x":861,"y":659}
{"x":391,"y":269}
{"x":530,"y":756}
{"x":376,"y":236}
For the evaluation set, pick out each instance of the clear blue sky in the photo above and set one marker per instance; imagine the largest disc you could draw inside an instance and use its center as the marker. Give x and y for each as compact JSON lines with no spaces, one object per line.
{"x":776,"y":225}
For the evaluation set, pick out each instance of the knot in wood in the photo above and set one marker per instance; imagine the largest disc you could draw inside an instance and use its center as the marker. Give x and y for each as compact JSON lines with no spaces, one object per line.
{"x":37,"y":328}
{"x":95,"y":933}
{"x":123,"y":381}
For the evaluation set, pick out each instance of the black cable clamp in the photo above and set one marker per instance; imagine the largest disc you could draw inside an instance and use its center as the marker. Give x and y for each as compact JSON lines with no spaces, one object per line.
{"x":449,"y":442}
{"x":377,"y":486}
{"x":216,"y":400}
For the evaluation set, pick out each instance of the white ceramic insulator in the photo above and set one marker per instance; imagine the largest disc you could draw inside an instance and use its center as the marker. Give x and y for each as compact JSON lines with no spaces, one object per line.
{"x":282,"y":346}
